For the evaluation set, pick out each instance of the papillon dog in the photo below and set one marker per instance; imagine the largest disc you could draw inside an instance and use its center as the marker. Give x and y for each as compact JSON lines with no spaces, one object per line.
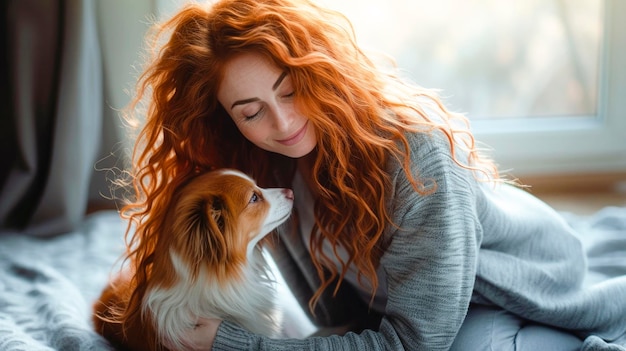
{"x":207,"y":262}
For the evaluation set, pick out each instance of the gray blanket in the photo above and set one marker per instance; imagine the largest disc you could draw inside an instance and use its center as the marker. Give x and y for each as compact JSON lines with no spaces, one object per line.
{"x":47,"y":286}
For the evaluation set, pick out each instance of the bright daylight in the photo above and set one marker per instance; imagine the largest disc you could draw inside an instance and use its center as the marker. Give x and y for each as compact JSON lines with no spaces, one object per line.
{"x":397,"y":175}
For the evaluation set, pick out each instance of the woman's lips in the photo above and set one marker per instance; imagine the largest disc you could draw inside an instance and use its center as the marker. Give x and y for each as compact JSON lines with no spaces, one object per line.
{"x":296,"y":137}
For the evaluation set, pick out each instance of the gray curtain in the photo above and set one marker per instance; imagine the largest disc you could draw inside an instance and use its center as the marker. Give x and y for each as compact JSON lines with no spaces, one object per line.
{"x":56,"y":132}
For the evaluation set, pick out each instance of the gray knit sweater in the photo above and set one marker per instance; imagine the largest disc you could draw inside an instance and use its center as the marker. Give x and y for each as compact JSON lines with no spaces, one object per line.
{"x":466,"y":242}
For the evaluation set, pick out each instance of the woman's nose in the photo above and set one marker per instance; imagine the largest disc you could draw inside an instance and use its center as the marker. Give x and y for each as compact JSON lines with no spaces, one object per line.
{"x":281,"y":119}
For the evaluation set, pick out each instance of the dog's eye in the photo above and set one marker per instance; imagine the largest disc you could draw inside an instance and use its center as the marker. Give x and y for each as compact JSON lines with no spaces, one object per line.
{"x":255,"y":198}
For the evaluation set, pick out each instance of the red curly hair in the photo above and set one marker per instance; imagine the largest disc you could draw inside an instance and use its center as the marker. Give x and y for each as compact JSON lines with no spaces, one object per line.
{"x":361,"y":112}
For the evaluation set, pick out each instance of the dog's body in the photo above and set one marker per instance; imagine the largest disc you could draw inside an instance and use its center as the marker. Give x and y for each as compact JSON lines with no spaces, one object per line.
{"x":205,"y":264}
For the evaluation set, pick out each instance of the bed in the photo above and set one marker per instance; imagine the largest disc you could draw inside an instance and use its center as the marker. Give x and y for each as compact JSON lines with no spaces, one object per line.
{"x":47,"y":286}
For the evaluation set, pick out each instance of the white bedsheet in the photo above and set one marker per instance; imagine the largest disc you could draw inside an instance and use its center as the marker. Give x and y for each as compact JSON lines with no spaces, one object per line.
{"x":47,"y":286}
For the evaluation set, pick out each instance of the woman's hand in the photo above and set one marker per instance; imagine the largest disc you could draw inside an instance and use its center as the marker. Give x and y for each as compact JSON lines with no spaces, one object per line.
{"x":201,"y":337}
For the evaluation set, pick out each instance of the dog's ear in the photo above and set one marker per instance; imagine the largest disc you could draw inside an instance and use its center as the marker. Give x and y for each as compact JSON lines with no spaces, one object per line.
{"x":206,"y":239}
{"x":216,"y":208}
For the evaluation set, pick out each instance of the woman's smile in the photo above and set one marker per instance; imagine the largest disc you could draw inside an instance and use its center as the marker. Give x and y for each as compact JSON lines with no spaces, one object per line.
{"x":296,"y":137}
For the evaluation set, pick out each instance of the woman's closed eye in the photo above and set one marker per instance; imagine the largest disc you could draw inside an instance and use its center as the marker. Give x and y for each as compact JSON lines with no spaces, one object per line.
{"x":253,"y":116}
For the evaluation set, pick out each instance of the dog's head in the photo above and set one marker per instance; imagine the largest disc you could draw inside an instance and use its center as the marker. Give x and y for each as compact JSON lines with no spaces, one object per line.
{"x":220,"y":216}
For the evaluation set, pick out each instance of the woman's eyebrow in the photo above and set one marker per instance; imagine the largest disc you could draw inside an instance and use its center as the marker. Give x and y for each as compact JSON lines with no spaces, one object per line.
{"x":243,"y":102}
{"x":279,"y":80}
{"x":274,"y":87}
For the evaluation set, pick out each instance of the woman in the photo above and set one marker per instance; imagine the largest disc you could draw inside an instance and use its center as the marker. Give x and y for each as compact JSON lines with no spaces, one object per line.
{"x":403,"y":231}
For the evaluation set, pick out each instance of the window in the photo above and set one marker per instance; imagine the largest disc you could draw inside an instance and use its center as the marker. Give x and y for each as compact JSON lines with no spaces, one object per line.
{"x":493,"y":59}
{"x":540,"y":80}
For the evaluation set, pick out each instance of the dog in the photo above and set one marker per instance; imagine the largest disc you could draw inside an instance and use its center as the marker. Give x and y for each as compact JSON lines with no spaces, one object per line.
{"x":208,"y":262}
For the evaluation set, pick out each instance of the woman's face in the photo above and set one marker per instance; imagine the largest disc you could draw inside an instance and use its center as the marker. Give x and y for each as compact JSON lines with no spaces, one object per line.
{"x":258,"y":96}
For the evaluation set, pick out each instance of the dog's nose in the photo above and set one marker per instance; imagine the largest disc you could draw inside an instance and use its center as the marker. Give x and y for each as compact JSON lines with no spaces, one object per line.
{"x":288,"y":193}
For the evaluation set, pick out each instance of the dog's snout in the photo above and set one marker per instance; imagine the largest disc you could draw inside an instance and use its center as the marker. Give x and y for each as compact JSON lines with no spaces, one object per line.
{"x":288,"y":193}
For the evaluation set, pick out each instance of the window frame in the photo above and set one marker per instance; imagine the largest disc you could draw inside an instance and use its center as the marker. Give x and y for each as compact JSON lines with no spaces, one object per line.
{"x":570,"y":144}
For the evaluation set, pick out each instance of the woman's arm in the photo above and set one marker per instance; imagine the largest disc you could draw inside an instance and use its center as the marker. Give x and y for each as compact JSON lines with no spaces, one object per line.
{"x":202,"y":336}
{"x":431,"y":259}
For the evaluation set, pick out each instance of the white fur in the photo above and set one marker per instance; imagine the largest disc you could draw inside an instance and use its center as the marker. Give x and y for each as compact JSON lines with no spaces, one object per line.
{"x":249,"y":302}
{"x":280,"y":210}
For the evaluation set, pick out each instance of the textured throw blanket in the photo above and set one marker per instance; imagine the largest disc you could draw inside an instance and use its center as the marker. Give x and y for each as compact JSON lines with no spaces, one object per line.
{"x":47,"y":286}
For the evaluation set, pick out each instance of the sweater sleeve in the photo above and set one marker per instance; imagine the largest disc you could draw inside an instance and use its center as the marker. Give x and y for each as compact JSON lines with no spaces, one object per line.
{"x":431,"y":259}
{"x":430,"y":264}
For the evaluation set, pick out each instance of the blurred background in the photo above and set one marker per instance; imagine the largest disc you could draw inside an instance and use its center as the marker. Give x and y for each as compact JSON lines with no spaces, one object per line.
{"x":543,"y":83}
